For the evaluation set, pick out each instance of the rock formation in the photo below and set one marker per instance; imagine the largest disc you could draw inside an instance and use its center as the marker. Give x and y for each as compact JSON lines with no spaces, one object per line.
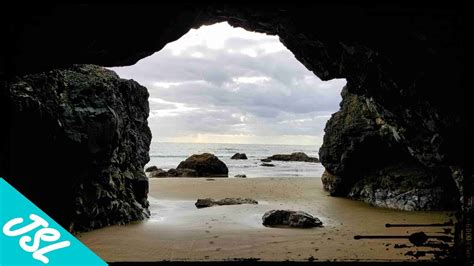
{"x":267,"y":165}
{"x":289,"y":218}
{"x":197,"y":165}
{"x":296,"y":157}
{"x":204,"y":203}
{"x":365,"y":161}
{"x":79,"y":142}
{"x":239,"y":156}
{"x":205,"y":164}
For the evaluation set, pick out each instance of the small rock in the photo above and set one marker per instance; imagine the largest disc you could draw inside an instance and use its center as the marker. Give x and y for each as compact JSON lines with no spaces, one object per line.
{"x":265,"y":160}
{"x":239,"y":156}
{"x":240,"y":176}
{"x":267,"y":164}
{"x":208,"y":202}
{"x":290,"y":218}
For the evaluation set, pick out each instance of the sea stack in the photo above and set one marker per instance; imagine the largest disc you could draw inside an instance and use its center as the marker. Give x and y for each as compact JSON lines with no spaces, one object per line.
{"x":205,"y":164}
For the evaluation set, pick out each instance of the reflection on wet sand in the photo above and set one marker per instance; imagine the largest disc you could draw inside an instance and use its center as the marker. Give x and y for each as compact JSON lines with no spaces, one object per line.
{"x":177,"y":230}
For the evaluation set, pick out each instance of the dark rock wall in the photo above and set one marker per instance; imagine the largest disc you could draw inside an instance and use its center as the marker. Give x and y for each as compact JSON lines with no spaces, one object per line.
{"x":78,"y":142}
{"x":364,"y":160}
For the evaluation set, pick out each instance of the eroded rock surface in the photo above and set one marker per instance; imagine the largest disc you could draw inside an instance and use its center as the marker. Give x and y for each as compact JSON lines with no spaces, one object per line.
{"x":208,"y":202}
{"x":330,"y":182}
{"x":79,"y":142}
{"x":365,"y":160}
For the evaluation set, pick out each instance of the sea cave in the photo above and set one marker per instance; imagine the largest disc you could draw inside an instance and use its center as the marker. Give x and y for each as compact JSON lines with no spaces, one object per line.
{"x":75,"y":137}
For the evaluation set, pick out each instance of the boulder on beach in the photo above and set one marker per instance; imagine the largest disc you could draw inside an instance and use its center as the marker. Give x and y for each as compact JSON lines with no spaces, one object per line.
{"x":151,"y":169}
{"x":205,"y":164}
{"x":265,"y":160}
{"x":240,"y":176}
{"x":208,"y":202}
{"x":290,"y":218}
{"x":296,"y":156}
{"x":267,"y":164}
{"x":239,"y":156}
{"x":198,"y":165}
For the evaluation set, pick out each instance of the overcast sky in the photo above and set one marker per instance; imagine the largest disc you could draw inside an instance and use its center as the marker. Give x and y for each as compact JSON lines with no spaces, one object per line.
{"x":227,"y":85}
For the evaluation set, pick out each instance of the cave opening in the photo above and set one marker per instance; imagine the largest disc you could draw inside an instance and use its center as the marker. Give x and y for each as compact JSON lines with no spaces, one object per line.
{"x":217,"y":91}
{"x":396,"y":142}
{"x":219,"y":85}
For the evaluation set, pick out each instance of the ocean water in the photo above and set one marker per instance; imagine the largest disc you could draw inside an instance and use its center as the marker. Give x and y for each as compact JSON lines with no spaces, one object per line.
{"x":169,"y":155}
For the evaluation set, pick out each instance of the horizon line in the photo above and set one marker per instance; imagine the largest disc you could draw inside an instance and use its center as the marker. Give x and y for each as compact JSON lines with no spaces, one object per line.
{"x":232,"y":143}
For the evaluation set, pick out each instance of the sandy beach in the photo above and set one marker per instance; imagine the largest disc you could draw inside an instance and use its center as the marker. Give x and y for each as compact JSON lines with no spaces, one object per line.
{"x":177,"y":230}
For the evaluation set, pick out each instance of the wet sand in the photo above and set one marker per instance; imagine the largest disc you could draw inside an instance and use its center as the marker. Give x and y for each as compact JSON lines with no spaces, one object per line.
{"x":177,"y":230}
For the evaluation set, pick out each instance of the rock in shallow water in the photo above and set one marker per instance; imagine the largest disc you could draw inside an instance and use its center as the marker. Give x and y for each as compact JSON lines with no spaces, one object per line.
{"x":296,"y":157}
{"x":204,"y":203}
{"x":290,"y":218}
{"x":239,"y":156}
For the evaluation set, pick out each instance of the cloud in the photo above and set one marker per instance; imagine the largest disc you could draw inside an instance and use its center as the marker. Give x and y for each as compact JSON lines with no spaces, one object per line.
{"x":220,"y":83}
